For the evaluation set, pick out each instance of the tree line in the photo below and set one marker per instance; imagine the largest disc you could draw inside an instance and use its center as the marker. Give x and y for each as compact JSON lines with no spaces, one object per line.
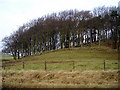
{"x":65,"y":29}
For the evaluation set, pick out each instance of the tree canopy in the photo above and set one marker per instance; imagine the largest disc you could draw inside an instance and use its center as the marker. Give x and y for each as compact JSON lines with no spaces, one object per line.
{"x":69,"y":28}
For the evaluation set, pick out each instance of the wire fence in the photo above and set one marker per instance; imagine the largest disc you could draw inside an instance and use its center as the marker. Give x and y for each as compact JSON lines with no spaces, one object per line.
{"x":62,"y":65}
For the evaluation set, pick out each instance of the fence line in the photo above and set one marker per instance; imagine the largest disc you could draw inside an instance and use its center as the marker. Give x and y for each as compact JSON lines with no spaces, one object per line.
{"x":50,"y":62}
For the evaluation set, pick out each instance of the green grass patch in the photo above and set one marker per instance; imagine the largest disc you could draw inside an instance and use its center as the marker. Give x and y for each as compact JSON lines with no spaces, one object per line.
{"x":86,"y":58}
{"x":8,"y":57}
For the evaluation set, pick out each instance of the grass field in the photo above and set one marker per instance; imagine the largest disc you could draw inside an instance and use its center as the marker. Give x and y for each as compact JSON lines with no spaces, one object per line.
{"x":8,"y":57}
{"x":88,"y":69}
{"x":3,"y":58}
{"x":84,"y":59}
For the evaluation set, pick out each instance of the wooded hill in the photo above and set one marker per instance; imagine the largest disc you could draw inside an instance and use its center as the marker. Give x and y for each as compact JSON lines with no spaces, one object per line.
{"x":69,"y":28}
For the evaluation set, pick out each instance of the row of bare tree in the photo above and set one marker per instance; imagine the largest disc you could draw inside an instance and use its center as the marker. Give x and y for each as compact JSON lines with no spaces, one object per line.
{"x":65,"y":29}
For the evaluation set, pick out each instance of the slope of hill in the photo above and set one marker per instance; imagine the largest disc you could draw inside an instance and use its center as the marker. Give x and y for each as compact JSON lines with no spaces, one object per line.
{"x":85,"y":58}
{"x":77,"y":68}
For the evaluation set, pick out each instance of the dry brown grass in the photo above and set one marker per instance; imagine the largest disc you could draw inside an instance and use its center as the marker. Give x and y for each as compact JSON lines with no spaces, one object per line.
{"x":60,"y":79}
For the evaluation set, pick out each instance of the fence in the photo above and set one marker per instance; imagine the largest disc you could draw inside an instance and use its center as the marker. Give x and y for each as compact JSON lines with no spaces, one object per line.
{"x":73,"y":65}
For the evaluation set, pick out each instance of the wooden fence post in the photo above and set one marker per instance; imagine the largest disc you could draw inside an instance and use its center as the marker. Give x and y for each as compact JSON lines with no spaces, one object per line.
{"x":104,"y":65}
{"x":73,"y":65}
{"x":4,"y":67}
{"x":45,"y":65}
{"x":23,"y":65}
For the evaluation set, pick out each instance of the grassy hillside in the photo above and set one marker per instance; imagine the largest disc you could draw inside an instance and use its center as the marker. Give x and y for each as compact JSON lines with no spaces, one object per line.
{"x":87,"y":72}
{"x":85,"y":58}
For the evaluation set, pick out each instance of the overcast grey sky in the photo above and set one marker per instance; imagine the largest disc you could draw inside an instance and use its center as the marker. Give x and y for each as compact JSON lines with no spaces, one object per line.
{"x":14,"y":13}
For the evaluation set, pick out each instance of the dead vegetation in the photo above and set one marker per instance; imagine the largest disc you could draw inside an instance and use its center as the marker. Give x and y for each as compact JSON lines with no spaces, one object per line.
{"x":59,"y":79}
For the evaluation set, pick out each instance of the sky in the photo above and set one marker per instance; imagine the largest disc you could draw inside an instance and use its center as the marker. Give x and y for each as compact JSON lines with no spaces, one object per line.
{"x":14,"y":13}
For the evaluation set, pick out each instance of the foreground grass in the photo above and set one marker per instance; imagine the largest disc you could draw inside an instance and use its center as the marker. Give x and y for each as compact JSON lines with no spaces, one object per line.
{"x":87,"y":72}
{"x":59,"y":79}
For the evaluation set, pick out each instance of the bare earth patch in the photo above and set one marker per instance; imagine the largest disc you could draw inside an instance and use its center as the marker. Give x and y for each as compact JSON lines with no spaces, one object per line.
{"x":59,"y":79}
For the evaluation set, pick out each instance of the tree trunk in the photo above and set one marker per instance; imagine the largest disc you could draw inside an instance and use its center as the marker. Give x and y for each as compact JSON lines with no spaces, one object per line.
{"x":99,"y":35}
{"x":18,"y":55}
